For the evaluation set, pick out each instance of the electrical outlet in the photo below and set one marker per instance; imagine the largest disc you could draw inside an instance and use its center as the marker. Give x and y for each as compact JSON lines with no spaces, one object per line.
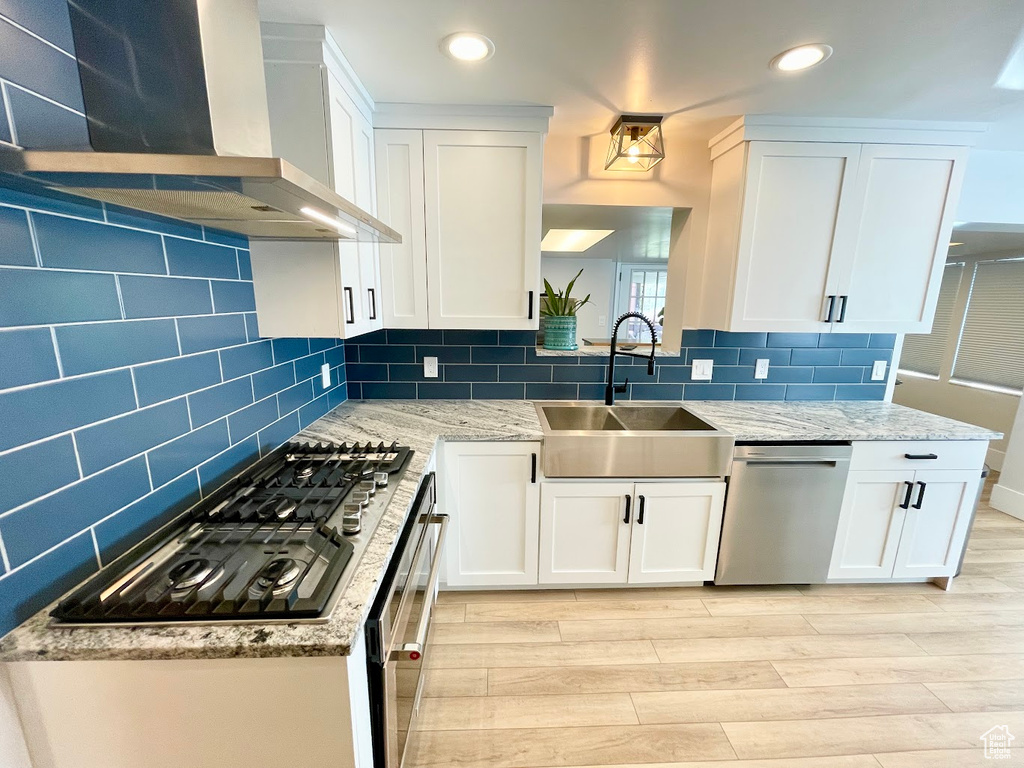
{"x":430,"y":367}
{"x":325,"y":375}
{"x":700,"y":370}
{"x":761,"y":369}
{"x":878,"y":370}
{"x":602,"y":320}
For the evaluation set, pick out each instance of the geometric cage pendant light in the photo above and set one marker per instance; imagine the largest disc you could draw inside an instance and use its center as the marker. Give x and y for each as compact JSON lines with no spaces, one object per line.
{"x":636,"y":145}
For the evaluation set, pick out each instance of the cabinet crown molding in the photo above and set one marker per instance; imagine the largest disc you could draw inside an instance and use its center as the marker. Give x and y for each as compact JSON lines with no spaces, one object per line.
{"x":845,"y":129}
{"x":463,"y":117}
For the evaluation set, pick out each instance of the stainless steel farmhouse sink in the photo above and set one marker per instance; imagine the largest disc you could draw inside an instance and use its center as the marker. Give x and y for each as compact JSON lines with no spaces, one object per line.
{"x":636,"y":440}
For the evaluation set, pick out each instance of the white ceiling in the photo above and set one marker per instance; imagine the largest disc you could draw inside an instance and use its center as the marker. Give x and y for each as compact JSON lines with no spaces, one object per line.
{"x":986,"y":238}
{"x":699,"y":62}
{"x":641,"y":234}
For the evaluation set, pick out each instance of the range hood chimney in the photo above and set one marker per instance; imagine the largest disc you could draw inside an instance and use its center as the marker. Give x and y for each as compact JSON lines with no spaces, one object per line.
{"x":176,"y":103}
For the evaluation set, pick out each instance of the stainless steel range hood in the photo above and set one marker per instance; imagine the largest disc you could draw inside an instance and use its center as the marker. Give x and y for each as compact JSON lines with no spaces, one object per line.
{"x":176,"y":102}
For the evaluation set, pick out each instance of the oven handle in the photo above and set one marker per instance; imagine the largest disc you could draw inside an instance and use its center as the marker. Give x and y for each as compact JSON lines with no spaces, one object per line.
{"x":415,"y":650}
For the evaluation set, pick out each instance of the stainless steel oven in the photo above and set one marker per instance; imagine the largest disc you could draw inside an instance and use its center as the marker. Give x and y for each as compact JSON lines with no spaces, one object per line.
{"x":398,"y":629}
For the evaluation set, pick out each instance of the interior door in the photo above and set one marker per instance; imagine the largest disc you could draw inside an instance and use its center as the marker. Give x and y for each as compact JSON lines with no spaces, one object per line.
{"x":403,"y":267}
{"x":796,"y":222}
{"x":936,"y":523}
{"x":870,"y":524}
{"x":675,"y":532}
{"x":584,"y":532}
{"x":483,"y":205}
{"x":907,"y":197}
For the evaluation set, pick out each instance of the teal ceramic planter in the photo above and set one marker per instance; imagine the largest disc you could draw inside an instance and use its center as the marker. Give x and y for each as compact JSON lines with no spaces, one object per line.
{"x":560,"y":333}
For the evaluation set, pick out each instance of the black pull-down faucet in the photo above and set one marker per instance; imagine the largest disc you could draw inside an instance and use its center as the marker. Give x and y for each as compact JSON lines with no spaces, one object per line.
{"x":610,"y":388}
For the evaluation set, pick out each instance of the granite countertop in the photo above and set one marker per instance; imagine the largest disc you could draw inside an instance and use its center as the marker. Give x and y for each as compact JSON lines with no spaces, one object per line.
{"x":416,"y":423}
{"x":763,"y":421}
{"x":420,"y":424}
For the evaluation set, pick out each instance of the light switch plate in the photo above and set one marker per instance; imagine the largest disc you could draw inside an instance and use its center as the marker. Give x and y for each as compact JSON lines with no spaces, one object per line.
{"x":878,"y":370}
{"x":761,"y":369}
{"x":325,"y":375}
{"x":602,"y":320}
{"x":701,"y":370}
{"x":430,"y":367}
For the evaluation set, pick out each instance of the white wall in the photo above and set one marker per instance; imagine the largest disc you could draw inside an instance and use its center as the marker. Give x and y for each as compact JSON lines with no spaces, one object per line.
{"x":993,"y":188}
{"x":13,"y":752}
{"x":1008,"y":495}
{"x":598,"y":279}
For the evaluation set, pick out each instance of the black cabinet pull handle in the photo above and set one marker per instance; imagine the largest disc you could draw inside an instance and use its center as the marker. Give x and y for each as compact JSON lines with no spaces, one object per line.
{"x":920,"y":497}
{"x":351,"y":319}
{"x":842,"y":309}
{"x":640,"y":514}
{"x":910,"y":492}
{"x":533,"y":468}
{"x":831,"y":308}
{"x":529,"y":308}
{"x":373,"y":302}
{"x":921,"y":456}
{"x":629,"y":500}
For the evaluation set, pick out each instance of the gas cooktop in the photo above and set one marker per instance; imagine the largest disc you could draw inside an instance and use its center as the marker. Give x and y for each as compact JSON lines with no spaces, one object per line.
{"x":276,"y":543}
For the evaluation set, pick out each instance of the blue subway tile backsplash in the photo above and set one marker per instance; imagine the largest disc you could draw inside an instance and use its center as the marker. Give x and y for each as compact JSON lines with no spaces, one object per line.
{"x":132,"y":374}
{"x":506,"y":364}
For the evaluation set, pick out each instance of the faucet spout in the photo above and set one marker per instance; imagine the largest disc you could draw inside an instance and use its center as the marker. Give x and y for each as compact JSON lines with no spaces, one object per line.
{"x":611,"y":388}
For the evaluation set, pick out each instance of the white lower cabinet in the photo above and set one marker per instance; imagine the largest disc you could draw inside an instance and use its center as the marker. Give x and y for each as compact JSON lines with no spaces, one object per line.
{"x":585,"y":532}
{"x":636,"y":533}
{"x":676,"y":532}
{"x":491,"y":492}
{"x":901,"y":524}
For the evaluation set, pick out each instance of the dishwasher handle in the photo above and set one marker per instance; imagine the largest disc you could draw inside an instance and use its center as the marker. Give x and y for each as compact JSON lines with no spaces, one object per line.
{"x":784,"y":462}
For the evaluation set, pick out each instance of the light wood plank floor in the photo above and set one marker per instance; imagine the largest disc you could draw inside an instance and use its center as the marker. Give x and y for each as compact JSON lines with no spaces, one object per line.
{"x":860,"y":676}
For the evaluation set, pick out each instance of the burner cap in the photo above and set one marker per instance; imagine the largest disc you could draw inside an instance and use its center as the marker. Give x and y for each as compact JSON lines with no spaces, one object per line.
{"x":304,"y":471}
{"x":281,"y":509}
{"x":279,"y":575}
{"x":190,"y":573}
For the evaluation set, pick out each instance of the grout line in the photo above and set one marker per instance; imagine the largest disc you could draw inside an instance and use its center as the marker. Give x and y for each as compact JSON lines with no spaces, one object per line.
{"x":78,"y":457}
{"x":96,"y":546}
{"x":8,"y":114}
{"x":27,"y":31}
{"x":163,"y":247}
{"x":177,"y":337}
{"x":38,"y":95}
{"x":33,"y":235}
{"x":56,"y":352}
{"x":120,"y":298}
{"x":3,"y":556}
{"x":149,"y":472}
{"x":213,"y":302}
{"x":135,"y":389}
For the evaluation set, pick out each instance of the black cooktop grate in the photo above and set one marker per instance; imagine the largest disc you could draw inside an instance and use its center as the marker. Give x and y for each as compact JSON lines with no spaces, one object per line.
{"x":260,"y":547}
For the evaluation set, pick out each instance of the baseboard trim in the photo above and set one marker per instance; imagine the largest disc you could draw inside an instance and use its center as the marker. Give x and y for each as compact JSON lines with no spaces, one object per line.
{"x":1008,"y":500}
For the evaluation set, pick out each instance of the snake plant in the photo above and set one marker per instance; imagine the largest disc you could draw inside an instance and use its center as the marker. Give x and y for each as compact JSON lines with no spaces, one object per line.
{"x":562,"y":305}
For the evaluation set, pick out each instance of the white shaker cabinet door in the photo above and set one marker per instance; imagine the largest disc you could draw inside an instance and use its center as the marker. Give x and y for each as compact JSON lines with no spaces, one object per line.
{"x":907,"y":199}
{"x":676,"y":532}
{"x":870,"y":524}
{"x":490,"y":492}
{"x":584,"y":532}
{"x":936,"y":523}
{"x":403,"y":266}
{"x":483,"y":207}
{"x":796,"y":224}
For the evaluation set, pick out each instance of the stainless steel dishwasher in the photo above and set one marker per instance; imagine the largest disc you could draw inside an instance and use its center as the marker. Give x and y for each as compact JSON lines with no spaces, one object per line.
{"x":781,"y":513}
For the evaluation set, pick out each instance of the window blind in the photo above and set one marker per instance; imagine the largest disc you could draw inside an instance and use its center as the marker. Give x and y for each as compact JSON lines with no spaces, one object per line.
{"x":923,"y":352}
{"x":991,"y":349}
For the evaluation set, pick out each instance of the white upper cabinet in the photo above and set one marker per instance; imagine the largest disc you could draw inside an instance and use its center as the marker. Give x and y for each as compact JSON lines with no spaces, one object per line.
{"x":907,"y":197}
{"x":483,"y":209}
{"x":320,"y":120}
{"x":842,"y":229}
{"x":400,"y":189}
{"x":468,"y":205}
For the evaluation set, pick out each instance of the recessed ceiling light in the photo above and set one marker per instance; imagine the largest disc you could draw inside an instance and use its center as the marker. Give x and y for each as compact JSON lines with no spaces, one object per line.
{"x":467,"y":46}
{"x":801,"y":57}
{"x":572,"y":240}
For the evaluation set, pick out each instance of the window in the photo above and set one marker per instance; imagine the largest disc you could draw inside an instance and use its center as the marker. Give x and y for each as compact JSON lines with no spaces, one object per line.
{"x":991,"y":349}
{"x":647,"y":296}
{"x":923,"y":352}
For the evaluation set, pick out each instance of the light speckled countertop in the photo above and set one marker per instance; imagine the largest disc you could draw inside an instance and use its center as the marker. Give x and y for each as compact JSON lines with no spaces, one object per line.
{"x":420,"y":424}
